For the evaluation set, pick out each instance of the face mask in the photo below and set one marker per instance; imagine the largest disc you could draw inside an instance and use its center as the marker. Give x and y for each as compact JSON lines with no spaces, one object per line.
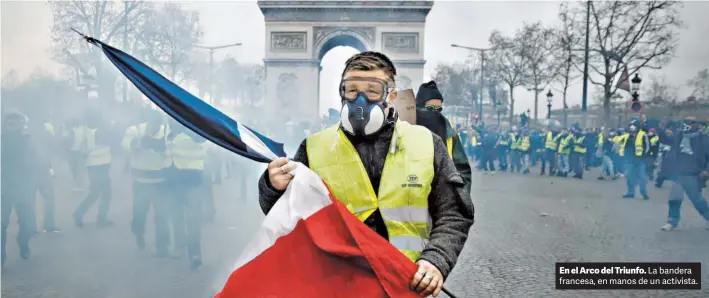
{"x":361,"y":117}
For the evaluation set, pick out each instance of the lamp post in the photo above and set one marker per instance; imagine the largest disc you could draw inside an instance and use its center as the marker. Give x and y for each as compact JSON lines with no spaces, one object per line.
{"x":549,"y":98}
{"x":498,"y":109}
{"x":635,"y":105}
{"x":211,"y":50}
{"x":482,"y":72}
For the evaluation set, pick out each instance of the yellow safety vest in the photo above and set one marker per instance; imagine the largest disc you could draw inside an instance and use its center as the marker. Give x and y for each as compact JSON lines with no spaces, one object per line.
{"x":600,"y":140}
{"x":513,"y":141}
{"x":551,"y":141}
{"x":449,"y":143}
{"x":639,"y":148}
{"x":523,"y":144}
{"x":79,"y":143}
{"x":577,"y":145}
{"x":145,"y":159}
{"x":474,"y":141}
{"x":97,"y":154}
{"x":654,"y":140}
{"x":404,"y":188}
{"x":187,"y":154}
{"x":563,"y":145}
{"x":49,"y":128}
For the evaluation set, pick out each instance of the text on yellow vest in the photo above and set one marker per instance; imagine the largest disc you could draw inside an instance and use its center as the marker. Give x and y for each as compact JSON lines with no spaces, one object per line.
{"x":404,"y":186}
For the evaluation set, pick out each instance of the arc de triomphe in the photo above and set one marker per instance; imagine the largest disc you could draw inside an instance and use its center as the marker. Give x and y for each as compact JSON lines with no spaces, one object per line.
{"x":300,"y":33}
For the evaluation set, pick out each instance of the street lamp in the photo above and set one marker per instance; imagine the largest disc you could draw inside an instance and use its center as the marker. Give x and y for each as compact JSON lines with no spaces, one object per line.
{"x":549,"y":98}
{"x":498,"y":109}
{"x":635,"y":105}
{"x":482,"y":72}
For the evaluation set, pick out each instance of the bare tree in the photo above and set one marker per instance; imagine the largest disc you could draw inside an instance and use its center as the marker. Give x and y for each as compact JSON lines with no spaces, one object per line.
{"x":565,"y":43}
{"x":456,"y":83}
{"x":242,"y":82}
{"x":507,"y":64}
{"x":103,"y":20}
{"x":537,"y":43}
{"x":700,"y":84}
{"x":628,"y":34}
{"x":169,"y":39}
{"x":659,"y":92}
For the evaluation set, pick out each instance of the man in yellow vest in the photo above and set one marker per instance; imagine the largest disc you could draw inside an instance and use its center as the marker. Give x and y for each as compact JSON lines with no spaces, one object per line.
{"x":653,"y":153}
{"x":564,"y":149}
{"x":188,"y":185}
{"x":428,"y":97}
{"x":633,"y":149}
{"x":551,"y":144}
{"x":75,"y":137}
{"x":146,"y":145}
{"x":524,"y":149}
{"x":578,"y":152}
{"x":417,"y":201}
{"x":96,"y":147}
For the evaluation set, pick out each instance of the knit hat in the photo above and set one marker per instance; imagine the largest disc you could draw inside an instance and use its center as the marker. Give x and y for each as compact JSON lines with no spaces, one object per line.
{"x":426,"y":92}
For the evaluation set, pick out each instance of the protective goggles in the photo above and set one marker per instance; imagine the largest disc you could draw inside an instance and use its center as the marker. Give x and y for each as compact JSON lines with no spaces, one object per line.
{"x":433,"y":108}
{"x":373,"y":89}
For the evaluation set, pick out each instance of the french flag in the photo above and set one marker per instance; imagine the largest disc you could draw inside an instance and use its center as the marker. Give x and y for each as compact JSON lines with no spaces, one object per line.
{"x":310,"y":245}
{"x":191,"y":111}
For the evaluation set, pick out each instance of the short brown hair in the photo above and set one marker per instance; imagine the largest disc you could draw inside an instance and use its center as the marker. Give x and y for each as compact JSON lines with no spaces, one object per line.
{"x":370,"y":60}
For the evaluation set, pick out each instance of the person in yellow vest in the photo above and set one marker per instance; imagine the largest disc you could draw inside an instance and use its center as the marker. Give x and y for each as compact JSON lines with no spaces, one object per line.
{"x":578,"y":152}
{"x":96,"y":146}
{"x":418,"y":183}
{"x":606,"y":143}
{"x":551,"y":144}
{"x":524,"y":148}
{"x":146,"y":145}
{"x":633,"y":149}
{"x":45,"y":183}
{"x":514,"y":162}
{"x":564,"y":149}
{"x":504,"y":141}
{"x":428,"y":97}
{"x":474,"y":153}
{"x":187,"y":181}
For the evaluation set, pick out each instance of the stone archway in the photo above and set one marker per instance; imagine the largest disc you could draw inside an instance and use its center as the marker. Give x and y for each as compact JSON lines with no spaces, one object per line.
{"x":299,"y":33}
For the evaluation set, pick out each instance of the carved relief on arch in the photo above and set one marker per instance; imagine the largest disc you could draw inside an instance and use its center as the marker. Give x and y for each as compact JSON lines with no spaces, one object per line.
{"x":322,"y":34}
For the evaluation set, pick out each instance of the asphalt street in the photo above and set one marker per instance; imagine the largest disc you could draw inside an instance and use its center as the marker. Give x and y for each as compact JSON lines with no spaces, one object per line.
{"x":524,"y":224}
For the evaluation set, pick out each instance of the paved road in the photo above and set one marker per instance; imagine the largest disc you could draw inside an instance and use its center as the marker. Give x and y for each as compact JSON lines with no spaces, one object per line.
{"x":524,"y":225}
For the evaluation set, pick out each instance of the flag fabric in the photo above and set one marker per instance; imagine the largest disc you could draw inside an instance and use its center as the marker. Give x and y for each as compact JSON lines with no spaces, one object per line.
{"x":310,"y":245}
{"x":191,"y":111}
{"x":624,"y":81}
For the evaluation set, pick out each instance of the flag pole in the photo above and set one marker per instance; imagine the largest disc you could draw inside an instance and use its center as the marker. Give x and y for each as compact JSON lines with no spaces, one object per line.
{"x":448,"y":292}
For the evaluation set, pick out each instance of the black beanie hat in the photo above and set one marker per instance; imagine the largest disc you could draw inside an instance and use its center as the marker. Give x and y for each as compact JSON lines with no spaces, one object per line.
{"x":427,"y":91}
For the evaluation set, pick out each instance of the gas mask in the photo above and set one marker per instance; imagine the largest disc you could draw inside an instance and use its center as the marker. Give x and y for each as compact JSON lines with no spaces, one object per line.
{"x":363,"y":104}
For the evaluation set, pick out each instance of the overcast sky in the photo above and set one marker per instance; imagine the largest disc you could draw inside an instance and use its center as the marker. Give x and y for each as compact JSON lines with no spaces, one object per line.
{"x":25,"y":37}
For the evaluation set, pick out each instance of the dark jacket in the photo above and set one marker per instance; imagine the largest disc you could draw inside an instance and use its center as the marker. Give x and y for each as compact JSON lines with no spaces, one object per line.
{"x":22,"y":165}
{"x":450,"y":206}
{"x":680,"y":163}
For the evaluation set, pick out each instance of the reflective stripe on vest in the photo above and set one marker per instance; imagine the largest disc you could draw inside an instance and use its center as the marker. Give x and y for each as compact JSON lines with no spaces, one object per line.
{"x":639,"y":148}
{"x":564,"y":145}
{"x":186,"y":153}
{"x":523,"y":144}
{"x":97,"y":154}
{"x":449,"y":143}
{"x":551,"y":141}
{"x":405,"y":182}
{"x":148,"y":159}
{"x":577,"y":143}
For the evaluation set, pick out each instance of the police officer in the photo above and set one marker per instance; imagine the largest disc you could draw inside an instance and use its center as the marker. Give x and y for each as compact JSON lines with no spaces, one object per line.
{"x":96,"y":145}
{"x":20,"y":168}
{"x":188,"y":152}
{"x":146,"y":144}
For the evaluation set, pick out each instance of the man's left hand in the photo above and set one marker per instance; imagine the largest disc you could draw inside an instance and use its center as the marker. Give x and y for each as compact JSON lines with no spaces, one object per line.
{"x":428,"y":280}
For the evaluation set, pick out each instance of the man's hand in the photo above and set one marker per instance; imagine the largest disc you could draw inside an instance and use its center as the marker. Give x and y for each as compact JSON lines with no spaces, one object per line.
{"x":279,"y":173}
{"x":428,"y":280}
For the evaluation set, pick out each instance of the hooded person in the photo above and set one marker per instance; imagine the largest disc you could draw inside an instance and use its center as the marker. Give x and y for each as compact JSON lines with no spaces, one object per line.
{"x":430,"y":99}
